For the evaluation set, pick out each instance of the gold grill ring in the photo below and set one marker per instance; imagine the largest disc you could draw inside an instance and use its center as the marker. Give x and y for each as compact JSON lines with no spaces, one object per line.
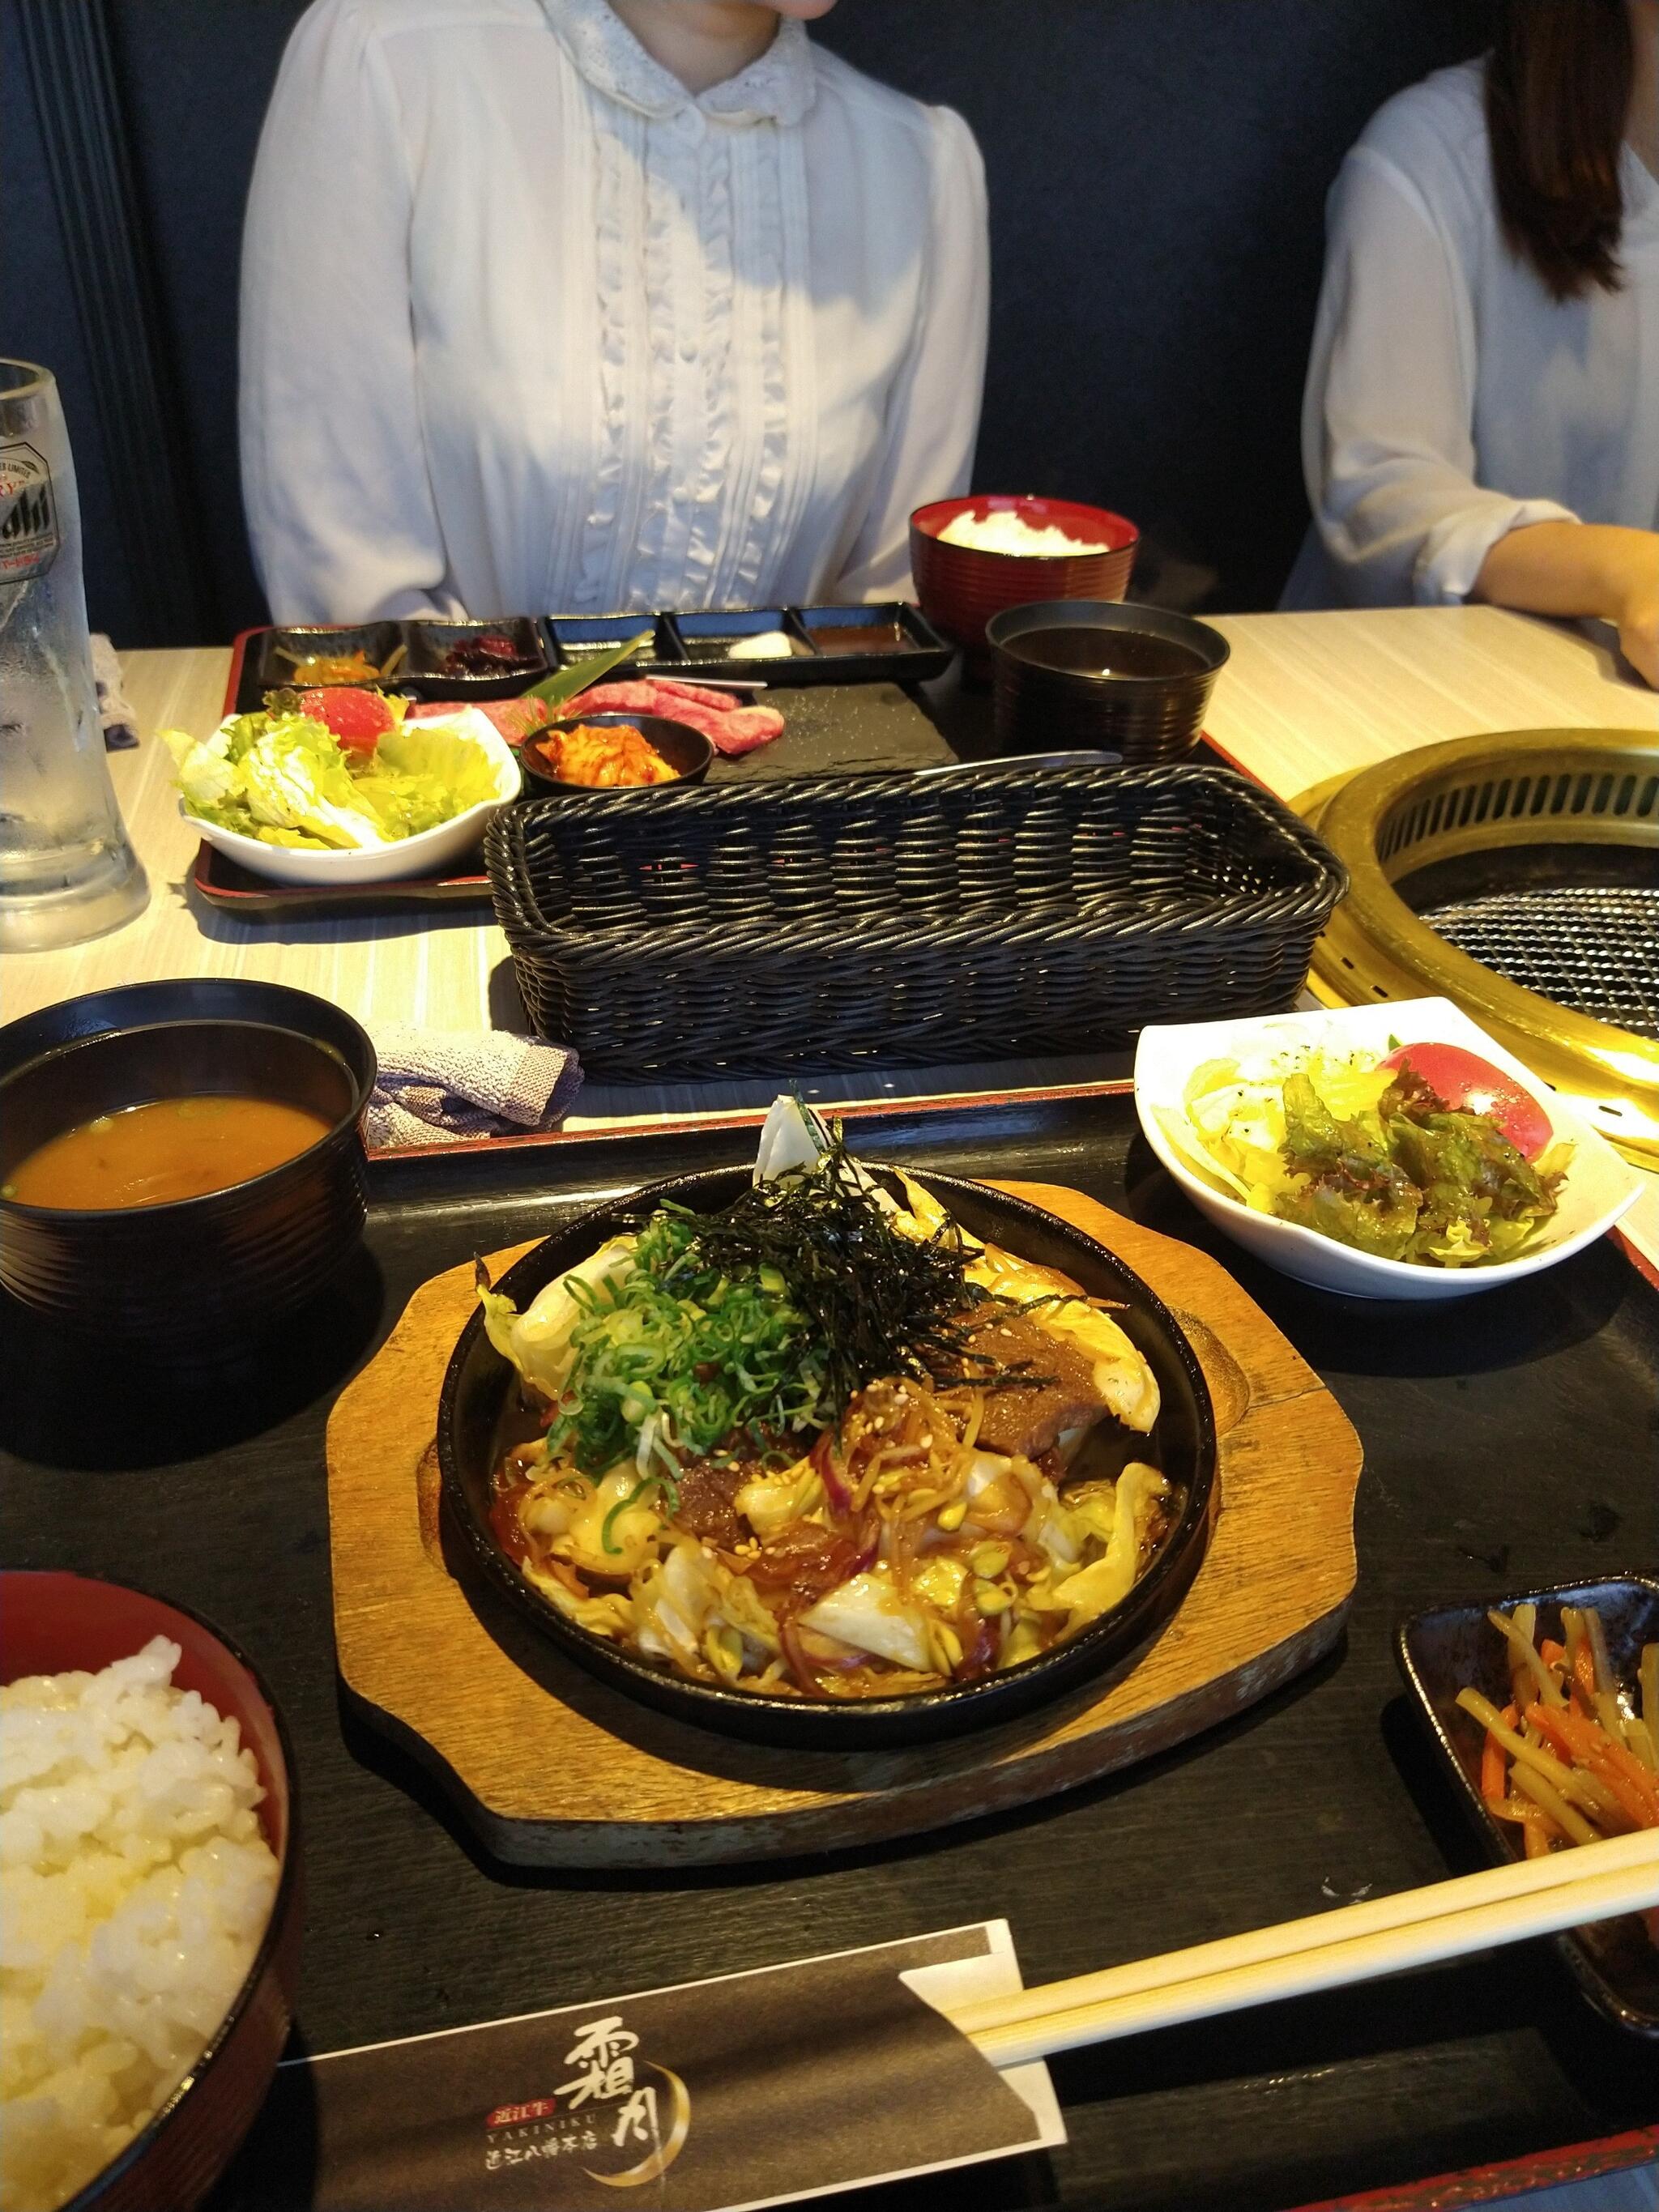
{"x":1468,"y":796}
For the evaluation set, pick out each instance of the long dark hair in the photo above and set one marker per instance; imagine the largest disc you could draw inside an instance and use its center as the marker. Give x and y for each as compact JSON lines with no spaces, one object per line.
{"x":1558,"y":82}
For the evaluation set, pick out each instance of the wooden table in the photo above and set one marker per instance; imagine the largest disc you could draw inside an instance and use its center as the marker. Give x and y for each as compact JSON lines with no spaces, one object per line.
{"x":1303,"y":697}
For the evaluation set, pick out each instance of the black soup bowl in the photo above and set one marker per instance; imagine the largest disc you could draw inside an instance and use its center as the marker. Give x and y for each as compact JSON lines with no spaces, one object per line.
{"x":685,"y":749}
{"x":1095,"y":672}
{"x":233,"y":1258}
{"x":475,"y":1423}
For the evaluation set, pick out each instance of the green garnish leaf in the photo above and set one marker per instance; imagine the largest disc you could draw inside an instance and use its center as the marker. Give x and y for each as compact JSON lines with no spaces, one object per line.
{"x":565,"y":683}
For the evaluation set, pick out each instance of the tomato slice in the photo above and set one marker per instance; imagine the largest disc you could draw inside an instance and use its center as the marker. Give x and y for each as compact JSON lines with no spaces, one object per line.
{"x":359,"y":720}
{"x":1470,"y":1084}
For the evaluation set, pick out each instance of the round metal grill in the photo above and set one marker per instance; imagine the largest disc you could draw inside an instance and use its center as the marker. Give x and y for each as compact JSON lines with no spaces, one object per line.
{"x":1516,"y":873}
{"x":1592,"y":948}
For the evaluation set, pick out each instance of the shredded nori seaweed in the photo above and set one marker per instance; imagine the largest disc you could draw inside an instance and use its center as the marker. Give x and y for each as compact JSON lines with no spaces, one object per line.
{"x":879,"y":1303}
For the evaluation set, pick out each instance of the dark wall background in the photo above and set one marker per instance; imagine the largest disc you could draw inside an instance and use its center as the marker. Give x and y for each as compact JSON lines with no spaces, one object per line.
{"x":1157,"y":170}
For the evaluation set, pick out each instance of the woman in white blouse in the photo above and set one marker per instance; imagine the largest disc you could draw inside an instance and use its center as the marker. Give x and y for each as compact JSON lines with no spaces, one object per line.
{"x":1482,"y":413}
{"x":566,"y":305}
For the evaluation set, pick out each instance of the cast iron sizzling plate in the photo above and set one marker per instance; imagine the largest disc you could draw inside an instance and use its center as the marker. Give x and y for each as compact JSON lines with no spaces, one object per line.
{"x":1456,"y":1647}
{"x":477,"y":1394}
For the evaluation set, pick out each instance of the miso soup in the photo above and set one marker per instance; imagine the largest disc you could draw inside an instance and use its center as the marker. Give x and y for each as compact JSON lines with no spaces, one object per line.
{"x":1076,"y":649}
{"x":170,"y":1148}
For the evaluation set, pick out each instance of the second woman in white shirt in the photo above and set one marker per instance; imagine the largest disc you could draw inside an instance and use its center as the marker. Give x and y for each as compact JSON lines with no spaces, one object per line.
{"x":1482,"y":413}
{"x":529,"y":324}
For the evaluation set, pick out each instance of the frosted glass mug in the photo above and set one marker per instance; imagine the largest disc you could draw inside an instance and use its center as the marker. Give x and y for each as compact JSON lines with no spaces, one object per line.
{"x":67,"y":870}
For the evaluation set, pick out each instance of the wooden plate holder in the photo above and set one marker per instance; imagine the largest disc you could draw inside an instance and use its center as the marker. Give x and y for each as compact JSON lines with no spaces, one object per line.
{"x":550,"y":1767}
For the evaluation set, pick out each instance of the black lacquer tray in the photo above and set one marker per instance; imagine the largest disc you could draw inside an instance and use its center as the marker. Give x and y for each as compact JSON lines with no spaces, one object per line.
{"x":1516,"y":1451}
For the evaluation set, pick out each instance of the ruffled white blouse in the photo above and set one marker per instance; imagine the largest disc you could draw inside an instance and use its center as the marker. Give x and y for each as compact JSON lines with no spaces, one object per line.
{"x":527,"y":327}
{"x":1449,"y":399}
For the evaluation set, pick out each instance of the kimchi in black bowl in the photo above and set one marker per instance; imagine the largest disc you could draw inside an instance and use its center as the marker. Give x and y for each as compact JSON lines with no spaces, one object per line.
{"x":483,"y":1416}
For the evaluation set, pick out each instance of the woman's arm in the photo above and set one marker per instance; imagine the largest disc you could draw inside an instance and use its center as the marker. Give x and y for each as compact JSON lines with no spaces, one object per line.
{"x":1387,"y":422}
{"x":334,"y":478}
{"x":1582,"y":568}
{"x":933,"y":418}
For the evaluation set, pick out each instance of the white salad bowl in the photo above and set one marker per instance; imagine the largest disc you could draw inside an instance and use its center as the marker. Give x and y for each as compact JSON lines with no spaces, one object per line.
{"x":379,"y":864}
{"x":1599,"y":1187}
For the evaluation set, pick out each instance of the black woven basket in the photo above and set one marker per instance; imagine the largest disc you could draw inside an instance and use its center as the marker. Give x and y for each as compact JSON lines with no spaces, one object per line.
{"x":985,"y":912}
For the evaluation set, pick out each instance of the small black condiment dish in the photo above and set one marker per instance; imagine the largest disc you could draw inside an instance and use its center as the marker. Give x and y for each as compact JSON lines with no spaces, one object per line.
{"x":191,"y":1269}
{"x":679,"y":745}
{"x":480,"y":1417}
{"x":1081,"y":672}
{"x":279,"y":652}
{"x":1456,"y":1647}
{"x":431,"y":638}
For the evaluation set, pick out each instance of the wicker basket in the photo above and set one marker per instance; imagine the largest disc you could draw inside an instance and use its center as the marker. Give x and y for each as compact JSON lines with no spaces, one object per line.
{"x":984,"y":912}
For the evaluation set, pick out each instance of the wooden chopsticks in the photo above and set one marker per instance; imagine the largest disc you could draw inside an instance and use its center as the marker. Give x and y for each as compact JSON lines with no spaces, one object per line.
{"x":1384,"y":1936}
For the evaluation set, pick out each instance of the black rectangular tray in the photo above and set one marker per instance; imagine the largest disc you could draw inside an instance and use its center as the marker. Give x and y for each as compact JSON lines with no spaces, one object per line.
{"x":853,"y":727}
{"x":1456,"y":1647}
{"x":692,"y":646}
{"x":1514,"y":1451}
{"x":695,"y":646}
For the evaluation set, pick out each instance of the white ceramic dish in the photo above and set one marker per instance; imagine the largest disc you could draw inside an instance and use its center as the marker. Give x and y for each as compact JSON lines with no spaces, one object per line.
{"x":1599,"y":1186}
{"x":424,"y":855}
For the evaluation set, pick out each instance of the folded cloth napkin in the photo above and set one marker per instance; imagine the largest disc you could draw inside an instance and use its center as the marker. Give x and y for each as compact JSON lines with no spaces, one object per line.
{"x":439,"y":1087}
{"x":120,"y":723}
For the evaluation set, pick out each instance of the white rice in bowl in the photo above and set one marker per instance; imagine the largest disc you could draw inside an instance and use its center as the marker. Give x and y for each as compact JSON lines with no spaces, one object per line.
{"x":135,"y":1886}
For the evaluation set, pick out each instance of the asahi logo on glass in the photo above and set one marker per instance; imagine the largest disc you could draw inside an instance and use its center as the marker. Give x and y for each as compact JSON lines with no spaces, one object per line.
{"x":28,"y":515}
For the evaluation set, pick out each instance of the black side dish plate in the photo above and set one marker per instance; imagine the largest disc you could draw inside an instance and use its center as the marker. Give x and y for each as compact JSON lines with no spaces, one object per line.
{"x":1456,"y":1647}
{"x":479,"y":1394}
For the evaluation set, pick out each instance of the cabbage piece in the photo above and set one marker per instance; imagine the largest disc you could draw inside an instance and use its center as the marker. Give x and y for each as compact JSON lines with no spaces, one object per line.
{"x":792,"y":1138}
{"x":614,"y":1532}
{"x":771,"y":1501}
{"x":690,"y":1606}
{"x":674,"y":1601}
{"x":423,"y":774}
{"x":538,"y":1340}
{"x":868,"y":1614}
{"x":610,"y":1616}
{"x":1107,"y":1581}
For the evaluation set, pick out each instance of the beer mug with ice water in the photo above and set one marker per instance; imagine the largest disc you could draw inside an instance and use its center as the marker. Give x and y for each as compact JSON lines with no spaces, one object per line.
{"x":67,"y":871}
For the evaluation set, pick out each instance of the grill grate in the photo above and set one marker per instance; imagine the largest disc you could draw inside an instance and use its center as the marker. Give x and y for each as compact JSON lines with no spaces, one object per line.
{"x":1593,"y":948}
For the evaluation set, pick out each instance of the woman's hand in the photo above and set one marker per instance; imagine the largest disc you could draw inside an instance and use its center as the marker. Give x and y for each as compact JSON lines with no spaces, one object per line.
{"x":1582,"y":568}
{"x":1639,"y":619}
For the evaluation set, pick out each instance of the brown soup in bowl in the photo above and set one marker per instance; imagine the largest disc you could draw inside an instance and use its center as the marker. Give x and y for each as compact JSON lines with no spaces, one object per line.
{"x":165,"y":1149}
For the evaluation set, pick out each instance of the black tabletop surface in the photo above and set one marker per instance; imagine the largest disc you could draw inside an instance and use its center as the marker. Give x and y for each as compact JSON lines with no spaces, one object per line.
{"x":1510,"y":1439}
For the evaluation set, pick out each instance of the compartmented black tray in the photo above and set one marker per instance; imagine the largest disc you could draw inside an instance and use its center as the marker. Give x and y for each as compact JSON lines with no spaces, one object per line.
{"x":889,"y":642}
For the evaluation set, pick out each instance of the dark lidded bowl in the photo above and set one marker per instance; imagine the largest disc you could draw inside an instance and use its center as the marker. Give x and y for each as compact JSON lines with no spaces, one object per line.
{"x":196,"y":1267}
{"x":475,"y":1422}
{"x":1133,"y":680}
